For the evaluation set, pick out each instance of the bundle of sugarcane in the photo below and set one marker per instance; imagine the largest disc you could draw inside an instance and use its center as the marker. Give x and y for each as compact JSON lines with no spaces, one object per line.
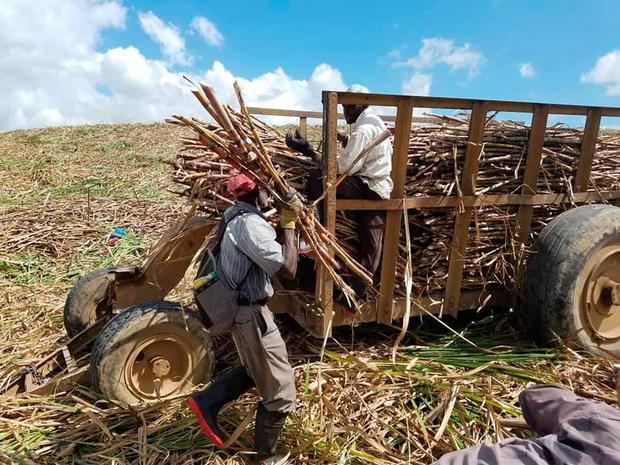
{"x":204,"y":172}
{"x":435,"y":162}
{"x":437,"y":153}
{"x":490,"y":256}
{"x":238,"y":142}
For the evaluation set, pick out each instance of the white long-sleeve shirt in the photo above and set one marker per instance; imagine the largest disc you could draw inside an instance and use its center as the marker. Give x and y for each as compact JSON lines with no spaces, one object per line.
{"x":376,"y":167}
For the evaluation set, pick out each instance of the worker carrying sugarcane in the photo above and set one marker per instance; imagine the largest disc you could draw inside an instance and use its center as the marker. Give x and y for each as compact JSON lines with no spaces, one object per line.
{"x":232,"y":290}
{"x":368,"y":178}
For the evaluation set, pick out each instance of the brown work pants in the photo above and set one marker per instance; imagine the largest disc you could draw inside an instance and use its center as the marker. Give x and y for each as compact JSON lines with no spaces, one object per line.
{"x":370,"y":223}
{"x":263,"y":353}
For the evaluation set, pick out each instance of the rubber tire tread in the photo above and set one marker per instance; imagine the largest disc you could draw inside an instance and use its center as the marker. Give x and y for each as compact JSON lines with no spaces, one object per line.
{"x":107,"y":340}
{"x":552,"y":273}
{"x":79,"y":301}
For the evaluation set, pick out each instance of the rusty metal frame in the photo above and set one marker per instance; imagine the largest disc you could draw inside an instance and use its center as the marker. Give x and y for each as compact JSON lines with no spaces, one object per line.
{"x":163,"y":269}
{"x":165,"y":266}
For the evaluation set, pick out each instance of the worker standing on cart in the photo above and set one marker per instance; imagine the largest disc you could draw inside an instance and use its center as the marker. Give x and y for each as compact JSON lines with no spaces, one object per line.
{"x":247,"y":254}
{"x":370,"y":178}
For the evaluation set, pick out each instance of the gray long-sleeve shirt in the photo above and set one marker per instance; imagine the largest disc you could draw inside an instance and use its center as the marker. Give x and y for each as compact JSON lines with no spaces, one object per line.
{"x":249,"y":254}
{"x":573,"y":430}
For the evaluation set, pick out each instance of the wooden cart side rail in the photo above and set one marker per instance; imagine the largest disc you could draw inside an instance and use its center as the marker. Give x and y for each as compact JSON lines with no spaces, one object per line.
{"x":432,"y":202}
{"x":387,"y":100}
{"x":393,"y":217}
{"x":588,"y":147}
{"x":305,"y":114}
{"x":324,"y":291}
{"x":467,"y":201}
{"x":532,"y":167}
{"x":462,"y":221}
{"x":523,"y":221}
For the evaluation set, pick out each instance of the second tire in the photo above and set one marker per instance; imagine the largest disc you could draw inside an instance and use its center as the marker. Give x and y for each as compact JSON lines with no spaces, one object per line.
{"x":571,"y":288}
{"x":150,"y":352}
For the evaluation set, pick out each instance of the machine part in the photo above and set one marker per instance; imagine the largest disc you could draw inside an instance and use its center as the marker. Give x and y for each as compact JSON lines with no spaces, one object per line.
{"x":572,"y":281}
{"x":62,"y":369}
{"x":99,"y":292}
{"x":166,"y":264}
{"x":89,"y":300}
{"x":151,"y":351}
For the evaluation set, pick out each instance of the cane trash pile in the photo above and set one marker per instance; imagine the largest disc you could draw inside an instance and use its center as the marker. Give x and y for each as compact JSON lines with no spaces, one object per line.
{"x":355,"y":405}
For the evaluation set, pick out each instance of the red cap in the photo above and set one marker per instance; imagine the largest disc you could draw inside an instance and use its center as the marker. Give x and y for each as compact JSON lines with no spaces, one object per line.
{"x":240,"y":184}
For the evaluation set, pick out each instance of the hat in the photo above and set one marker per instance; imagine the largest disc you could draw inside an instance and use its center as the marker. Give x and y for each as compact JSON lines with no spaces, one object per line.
{"x":239,"y":185}
{"x":358,"y":88}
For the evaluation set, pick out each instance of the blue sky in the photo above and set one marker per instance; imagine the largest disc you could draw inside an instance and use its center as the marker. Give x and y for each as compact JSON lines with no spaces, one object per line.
{"x":561,"y":39}
{"x":557,"y":51}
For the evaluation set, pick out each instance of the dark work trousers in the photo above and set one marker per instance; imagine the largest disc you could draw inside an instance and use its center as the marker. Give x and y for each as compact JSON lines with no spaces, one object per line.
{"x":370,"y":223}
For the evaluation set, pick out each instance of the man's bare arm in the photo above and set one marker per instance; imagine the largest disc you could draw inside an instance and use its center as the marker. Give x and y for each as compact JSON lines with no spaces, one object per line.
{"x":288,"y":217}
{"x":289,"y":250}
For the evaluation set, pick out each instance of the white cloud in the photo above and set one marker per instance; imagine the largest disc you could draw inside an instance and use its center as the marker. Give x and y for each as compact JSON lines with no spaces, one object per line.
{"x":437,"y":50}
{"x":53,"y":29}
{"x":419,"y":84}
{"x":45,"y":52}
{"x":275,"y":89}
{"x":53,"y":74}
{"x":527,"y":70}
{"x":207,"y":30}
{"x":394,"y":54}
{"x":606,"y":72}
{"x":167,"y":36}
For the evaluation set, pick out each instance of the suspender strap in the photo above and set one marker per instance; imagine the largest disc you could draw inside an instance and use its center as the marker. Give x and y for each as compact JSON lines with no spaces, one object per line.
{"x":214,"y":250}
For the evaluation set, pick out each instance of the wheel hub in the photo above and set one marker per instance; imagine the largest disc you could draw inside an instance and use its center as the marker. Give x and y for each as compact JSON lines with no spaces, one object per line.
{"x":601,"y":302}
{"x":159,"y":366}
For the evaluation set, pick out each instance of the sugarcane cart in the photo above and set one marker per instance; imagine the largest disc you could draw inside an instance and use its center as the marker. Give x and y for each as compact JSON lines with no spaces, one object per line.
{"x":135,"y":346}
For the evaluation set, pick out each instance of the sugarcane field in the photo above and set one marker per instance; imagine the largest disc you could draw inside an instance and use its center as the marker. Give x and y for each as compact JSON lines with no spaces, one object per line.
{"x":202,"y":268}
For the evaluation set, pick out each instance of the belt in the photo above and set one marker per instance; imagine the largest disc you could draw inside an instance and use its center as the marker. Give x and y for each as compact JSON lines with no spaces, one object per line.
{"x":248,"y":302}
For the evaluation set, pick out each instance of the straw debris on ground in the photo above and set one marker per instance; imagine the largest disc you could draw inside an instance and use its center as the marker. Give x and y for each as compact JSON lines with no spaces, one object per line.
{"x":441,"y":395}
{"x":66,"y":189}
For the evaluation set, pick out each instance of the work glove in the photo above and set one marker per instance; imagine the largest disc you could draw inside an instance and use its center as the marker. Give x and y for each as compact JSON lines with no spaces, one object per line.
{"x":289,"y":211}
{"x":299,"y":143}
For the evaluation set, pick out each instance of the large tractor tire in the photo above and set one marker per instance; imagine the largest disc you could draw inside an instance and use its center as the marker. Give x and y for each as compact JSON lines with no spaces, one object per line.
{"x":88,"y":300}
{"x":150,"y":352}
{"x":571,"y":287}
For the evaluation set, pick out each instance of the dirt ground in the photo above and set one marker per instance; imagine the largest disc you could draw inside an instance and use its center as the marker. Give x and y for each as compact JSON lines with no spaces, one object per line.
{"x":64,"y":190}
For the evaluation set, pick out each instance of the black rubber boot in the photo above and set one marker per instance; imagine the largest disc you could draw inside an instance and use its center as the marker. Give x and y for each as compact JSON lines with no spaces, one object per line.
{"x":206,"y":404}
{"x":268,"y":427}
